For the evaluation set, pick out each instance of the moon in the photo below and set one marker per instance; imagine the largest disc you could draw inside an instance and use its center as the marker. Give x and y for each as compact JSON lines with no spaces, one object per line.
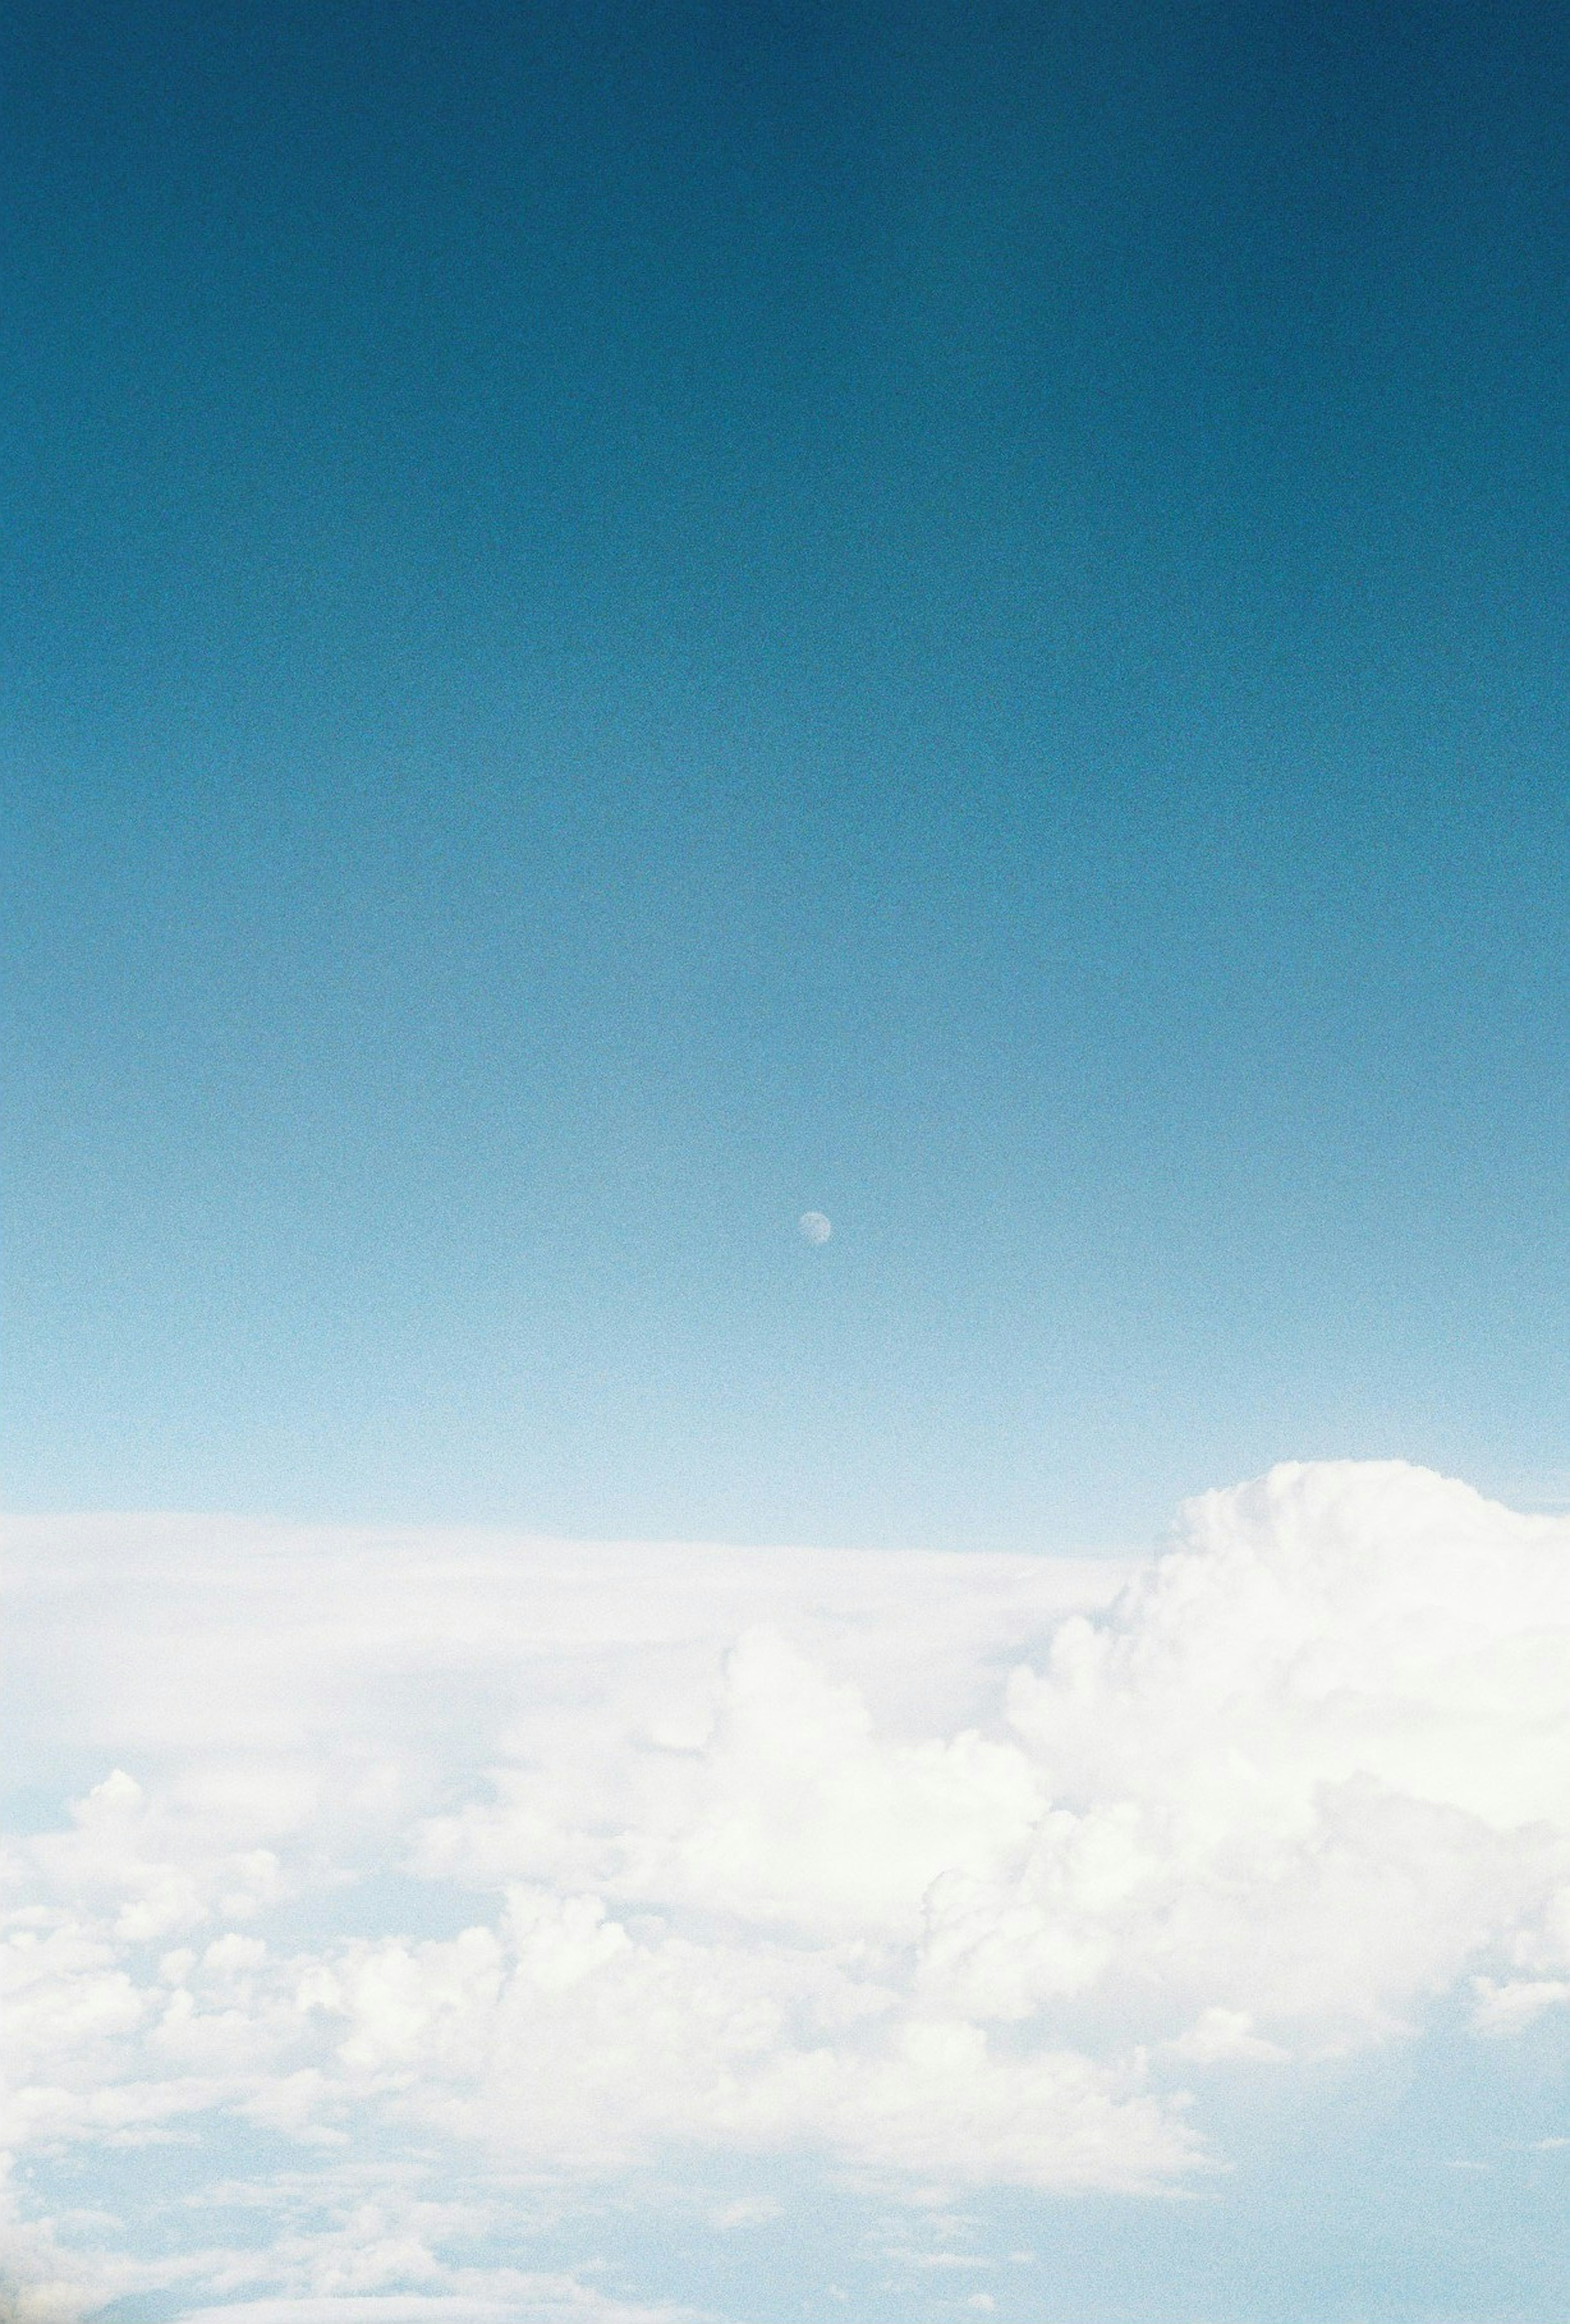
{"x":815,"y":1227}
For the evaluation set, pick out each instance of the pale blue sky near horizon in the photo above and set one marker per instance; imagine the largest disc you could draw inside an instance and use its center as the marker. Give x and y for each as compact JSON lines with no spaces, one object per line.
{"x":626,"y":623}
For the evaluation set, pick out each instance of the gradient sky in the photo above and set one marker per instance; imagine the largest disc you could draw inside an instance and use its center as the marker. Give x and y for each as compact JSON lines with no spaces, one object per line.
{"x":629,"y":620}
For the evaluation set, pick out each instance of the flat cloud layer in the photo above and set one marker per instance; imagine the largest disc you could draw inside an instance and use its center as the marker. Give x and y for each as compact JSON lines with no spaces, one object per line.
{"x":561,"y":1863}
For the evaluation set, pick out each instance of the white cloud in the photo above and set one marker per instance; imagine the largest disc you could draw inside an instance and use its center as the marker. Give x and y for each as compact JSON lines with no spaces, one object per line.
{"x":564,"y":1860}
{"x":509,"y":2297}
{"x":1218,"y":2036}
{"x":1506,"y":2008}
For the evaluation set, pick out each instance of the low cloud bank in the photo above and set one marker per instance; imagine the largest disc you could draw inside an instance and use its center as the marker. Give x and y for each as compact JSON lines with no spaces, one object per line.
{"x":562,"y":1862}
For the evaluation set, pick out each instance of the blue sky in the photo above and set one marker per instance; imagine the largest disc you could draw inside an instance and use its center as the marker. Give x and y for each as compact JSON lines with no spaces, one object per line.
{"x":633,"y":620}
{"x":630,"y":621}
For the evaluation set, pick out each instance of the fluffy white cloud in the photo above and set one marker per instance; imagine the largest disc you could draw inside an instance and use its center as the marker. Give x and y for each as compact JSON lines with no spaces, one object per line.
{"x":572,"y":1860}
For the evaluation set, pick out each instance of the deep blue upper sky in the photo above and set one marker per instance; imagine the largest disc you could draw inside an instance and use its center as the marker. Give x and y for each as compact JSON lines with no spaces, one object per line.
{"x":628,"y":619}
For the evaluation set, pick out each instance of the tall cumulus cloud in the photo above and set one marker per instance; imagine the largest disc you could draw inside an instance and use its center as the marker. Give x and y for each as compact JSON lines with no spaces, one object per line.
{"x":945,"y":1871}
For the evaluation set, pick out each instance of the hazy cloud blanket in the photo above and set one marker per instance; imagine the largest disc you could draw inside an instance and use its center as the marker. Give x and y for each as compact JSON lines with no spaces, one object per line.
{"x":361,"y":1884}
